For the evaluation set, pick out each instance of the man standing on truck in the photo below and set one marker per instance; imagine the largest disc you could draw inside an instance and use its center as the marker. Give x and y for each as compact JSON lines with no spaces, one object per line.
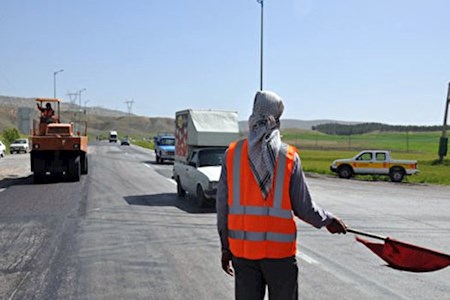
{"x":261,"y":188}
{"x":47,"y":113}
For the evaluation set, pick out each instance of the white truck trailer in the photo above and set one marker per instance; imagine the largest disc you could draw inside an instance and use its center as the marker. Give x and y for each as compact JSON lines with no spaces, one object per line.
{"x":201,"y":138}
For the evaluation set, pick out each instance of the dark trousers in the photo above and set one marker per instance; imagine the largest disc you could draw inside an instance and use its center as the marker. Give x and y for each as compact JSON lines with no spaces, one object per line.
{"x":252,"y":276}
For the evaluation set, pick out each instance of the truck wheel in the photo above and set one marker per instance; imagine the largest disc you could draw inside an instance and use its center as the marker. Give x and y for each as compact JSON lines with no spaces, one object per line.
{"x":345,"y":172}
{"x":38,"y":170}
{"x":180,"y":191}
{"x":201,"y":199}
{"x":85,"y":166}
{"x":74,"y":169}
{"x":397,"y":174}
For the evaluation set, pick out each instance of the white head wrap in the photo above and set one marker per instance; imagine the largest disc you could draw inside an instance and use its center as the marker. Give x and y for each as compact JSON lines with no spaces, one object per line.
{"x":264,"y":140}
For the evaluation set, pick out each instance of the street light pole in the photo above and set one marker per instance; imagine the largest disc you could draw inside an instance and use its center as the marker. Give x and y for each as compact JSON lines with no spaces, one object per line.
{"x":261,"y":56}
{"x":54,"y":81}
{"x":80,"y":107}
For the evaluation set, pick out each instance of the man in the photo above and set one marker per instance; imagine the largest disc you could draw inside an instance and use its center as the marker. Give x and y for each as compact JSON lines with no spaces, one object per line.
{"x":261,"y":187}
{"x":47,"y":113}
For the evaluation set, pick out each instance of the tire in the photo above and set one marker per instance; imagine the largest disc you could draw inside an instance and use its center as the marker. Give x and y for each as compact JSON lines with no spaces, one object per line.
{"x":180,"y":191}
{"x":345,"y":172}
{"x":11,"y":152}
{"x":157,"y":159}
{"x":85,"y":166}
{"x":38,"y":171}
{"x":74,"y":170}
{"x":201,"y":199}
{"x":396,"y":174}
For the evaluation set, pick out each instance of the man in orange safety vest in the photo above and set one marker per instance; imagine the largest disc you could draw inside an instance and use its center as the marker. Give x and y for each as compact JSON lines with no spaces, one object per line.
{"x":261,"y":188}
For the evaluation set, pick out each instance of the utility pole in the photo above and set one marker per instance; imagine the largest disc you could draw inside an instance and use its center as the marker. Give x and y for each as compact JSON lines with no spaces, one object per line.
{"x":129,"y":106}
{"x":261,"y":56}
{"x":443,"y":142}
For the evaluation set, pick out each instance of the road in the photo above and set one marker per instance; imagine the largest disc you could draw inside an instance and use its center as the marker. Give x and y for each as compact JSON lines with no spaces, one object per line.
{"x":122,"y":233}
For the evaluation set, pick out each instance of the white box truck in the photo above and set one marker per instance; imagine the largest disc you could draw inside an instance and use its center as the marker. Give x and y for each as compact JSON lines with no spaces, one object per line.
{"x":112,"y":137}
{"x":201,"y":138}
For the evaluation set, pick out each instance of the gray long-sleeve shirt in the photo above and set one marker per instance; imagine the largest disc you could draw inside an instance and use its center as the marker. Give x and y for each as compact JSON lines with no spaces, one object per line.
{"x":302,"y":204}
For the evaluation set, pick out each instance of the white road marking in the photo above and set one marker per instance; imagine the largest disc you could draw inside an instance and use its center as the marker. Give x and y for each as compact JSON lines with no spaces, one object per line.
{"x":147,"y":165}
{"x":171,"y":180}
{"x":1,"y":190}
{"x":306,"y":258}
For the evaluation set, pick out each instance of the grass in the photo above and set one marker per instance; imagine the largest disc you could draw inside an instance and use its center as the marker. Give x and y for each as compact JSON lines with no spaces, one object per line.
{"x":318,"y":150}
{"x":144,"y":143}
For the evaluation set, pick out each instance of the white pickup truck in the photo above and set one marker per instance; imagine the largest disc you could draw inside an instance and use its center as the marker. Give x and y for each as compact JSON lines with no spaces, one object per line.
{"x":201,"y":138}
{"x":376,"y":162}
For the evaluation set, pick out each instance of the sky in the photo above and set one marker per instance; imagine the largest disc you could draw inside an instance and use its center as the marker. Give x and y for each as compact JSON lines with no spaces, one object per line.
{"x":365,"y":61}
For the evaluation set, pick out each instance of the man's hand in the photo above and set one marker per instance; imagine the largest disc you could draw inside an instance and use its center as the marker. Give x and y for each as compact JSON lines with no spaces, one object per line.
{"x":226,"y":262}
{"x":337,"y":226}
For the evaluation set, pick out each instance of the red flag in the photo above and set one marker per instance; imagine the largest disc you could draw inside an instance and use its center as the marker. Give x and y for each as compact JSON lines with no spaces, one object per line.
{"x":407,"y":257}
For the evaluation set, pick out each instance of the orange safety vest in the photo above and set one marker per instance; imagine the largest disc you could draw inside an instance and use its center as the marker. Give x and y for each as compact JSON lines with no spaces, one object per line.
{"x":259,"y":228}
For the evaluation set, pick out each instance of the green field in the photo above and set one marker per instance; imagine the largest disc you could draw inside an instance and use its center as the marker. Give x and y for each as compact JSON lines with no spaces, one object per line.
{"x":318,"y":150}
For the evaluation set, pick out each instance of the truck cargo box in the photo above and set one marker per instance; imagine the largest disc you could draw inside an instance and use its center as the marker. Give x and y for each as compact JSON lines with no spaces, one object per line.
{"x":204,"y":128}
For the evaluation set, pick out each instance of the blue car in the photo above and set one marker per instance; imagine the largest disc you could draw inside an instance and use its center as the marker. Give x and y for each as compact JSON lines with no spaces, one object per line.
{"x":164,"y":148}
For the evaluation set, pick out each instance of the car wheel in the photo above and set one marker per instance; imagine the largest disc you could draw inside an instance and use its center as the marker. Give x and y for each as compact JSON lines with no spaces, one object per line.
{"x":397,"y":174}
{"x":180,"y":191}
{"x":345,"y":172}
{"x":201,"y":199}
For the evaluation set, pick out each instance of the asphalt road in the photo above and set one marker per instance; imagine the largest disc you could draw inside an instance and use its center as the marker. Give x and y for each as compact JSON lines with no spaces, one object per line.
{"x":122,"y":233}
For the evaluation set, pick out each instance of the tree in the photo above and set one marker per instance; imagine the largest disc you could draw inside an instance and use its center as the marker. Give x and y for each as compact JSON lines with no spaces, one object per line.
{"x":10,"y":135}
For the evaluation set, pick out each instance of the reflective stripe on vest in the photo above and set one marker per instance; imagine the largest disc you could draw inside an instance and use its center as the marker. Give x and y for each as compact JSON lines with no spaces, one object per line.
{"x":275,"y":211}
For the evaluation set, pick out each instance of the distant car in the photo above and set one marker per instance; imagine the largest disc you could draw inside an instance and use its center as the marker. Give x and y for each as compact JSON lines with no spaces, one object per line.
{"x":2,"y":150}
{"x":19,"y":145}
{"x":125,"y":142}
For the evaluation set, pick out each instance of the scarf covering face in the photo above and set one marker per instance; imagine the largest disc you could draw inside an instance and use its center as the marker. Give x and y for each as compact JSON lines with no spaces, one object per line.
{"x":264,"y":140}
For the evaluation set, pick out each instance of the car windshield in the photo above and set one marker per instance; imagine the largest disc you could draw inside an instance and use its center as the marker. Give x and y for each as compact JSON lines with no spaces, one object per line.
{"x":167,"y":142}
{"x":20,"y":142}
{"x":211,"y":157}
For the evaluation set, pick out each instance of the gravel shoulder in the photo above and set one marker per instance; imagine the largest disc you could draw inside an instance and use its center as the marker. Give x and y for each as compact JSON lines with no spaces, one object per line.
{"x":15,"y":166}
